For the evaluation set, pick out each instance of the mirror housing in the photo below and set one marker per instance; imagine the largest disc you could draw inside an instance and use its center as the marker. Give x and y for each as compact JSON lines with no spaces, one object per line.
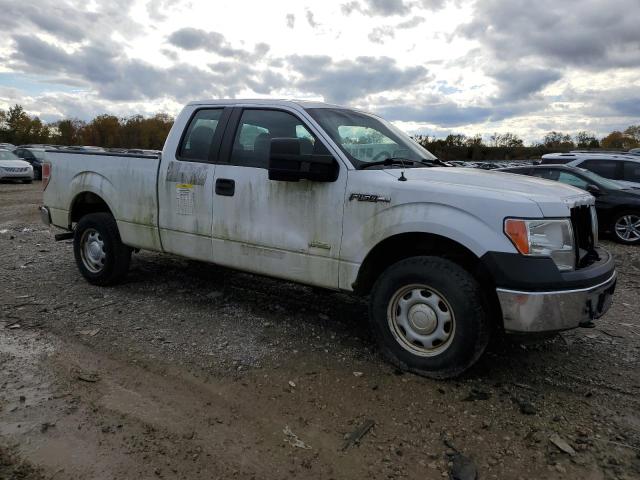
{"x":594,"y":190}
{"x":287,"y":164}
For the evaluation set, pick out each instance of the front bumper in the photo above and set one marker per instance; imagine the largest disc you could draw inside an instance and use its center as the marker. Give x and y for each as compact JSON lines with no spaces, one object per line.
{"x":537,"y":312}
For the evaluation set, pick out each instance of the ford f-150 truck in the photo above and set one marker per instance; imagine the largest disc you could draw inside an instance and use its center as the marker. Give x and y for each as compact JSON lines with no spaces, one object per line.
{"x":341,"y":199}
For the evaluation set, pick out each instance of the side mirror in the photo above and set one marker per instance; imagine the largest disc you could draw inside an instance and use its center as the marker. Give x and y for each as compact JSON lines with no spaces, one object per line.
{"x":594,"y":190}
{"x":287,"y":164}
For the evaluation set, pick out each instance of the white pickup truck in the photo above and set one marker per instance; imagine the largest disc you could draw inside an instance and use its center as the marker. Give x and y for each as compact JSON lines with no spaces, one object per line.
{"x":341,"y":199}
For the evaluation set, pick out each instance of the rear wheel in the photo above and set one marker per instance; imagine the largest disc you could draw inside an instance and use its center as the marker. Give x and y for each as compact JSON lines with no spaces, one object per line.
{"x":101,"y":256}
{"x":626,"y":227}
{"x":429,"y":317}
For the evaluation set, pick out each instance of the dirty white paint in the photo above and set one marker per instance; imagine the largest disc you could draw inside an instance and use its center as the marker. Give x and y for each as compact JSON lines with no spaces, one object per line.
{"x":317,"y":233}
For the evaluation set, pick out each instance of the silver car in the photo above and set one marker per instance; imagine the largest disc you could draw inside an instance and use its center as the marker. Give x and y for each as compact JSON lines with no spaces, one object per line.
{"x":622,"y":167}
{"x":12,"y":168}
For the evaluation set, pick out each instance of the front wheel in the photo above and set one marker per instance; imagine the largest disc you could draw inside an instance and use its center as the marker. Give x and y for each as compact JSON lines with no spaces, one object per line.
{"x":429,"y":316}
{"x":101,"y":256}
{"x":626,"y":228}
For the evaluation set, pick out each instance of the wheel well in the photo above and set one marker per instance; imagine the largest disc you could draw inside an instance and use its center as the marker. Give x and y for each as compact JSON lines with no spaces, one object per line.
{"x":405,"y":245}
{"x":85,"y":203}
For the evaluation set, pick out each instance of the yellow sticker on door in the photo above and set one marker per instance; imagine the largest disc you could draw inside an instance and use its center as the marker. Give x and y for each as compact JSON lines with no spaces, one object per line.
{"x":184,"y":199}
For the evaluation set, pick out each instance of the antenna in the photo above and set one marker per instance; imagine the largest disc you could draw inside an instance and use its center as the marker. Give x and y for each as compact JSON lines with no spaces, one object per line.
{"x":402,"y":178}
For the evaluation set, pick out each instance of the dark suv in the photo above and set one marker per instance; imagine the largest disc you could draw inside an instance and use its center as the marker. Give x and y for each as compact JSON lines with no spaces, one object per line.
{"x":33,"y":155}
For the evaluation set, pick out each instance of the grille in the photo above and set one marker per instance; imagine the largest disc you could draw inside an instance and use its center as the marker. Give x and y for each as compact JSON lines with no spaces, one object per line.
{"x":585,"y":233}
{"x":15,"y":169}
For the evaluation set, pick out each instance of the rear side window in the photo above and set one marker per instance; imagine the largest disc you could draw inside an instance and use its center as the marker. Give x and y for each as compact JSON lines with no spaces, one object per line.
{"x":631,"y":172}
{"x":196,"y":143}
{"x":604,"y":168}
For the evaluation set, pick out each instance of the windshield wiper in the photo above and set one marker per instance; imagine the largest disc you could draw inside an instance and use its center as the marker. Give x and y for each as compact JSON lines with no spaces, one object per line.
{"x":390,"y":161}
{"x":404,"y":162}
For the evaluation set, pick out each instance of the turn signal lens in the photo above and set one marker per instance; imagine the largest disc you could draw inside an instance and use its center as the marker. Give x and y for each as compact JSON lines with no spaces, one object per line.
{"x":517,"y":232}
{"x":46,"y":175}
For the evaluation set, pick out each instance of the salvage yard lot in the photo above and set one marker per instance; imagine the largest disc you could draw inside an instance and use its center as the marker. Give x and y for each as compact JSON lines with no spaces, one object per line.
{"x":193,"y":371}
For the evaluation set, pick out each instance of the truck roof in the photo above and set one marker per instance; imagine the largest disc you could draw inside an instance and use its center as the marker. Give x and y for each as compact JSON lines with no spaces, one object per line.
{"x":267,"y":101}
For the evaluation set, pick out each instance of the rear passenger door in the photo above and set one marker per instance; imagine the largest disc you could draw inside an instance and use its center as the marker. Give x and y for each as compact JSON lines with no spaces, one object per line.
{"x":289,"y":230}
{"x":185,"y":186}
{"x":631,"y":173}
{"x":605,"y":168}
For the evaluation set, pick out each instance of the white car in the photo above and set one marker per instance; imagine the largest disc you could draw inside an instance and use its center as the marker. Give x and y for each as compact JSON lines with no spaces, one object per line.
{"x":12,"y":168}
{"x":622,"y":167}
{"x":341,"y":199}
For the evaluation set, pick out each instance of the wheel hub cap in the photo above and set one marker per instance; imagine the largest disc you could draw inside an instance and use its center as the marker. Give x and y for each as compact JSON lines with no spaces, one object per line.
{"x":423,"y":319}
{"x":92,"y":250}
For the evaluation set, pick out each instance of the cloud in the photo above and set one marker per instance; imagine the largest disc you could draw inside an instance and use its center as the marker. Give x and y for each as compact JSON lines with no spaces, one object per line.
{"x":113,"y":77}
{"x":435,"y":110}
{"x":387,"y":8}
{"x":69,"y":20}
{"x":517,"y":83}
{"x":291,"y":20}
{"x":587,"y":34}
{"x":379,"y":34}
{"x":411,"y":23}
{"x":311,"y":20}
{"x":347,"y":80}
{"x":189,"y":38}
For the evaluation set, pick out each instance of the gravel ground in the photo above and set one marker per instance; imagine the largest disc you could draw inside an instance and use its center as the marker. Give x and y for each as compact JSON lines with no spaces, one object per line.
{"x":193,"y":371}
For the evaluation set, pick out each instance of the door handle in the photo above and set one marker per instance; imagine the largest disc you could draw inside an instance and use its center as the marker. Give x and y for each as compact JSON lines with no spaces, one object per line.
{"x":225,"y":187}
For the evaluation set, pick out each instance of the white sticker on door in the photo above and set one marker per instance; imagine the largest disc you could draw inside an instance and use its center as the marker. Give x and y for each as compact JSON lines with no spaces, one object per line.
{"x":184,"y":199}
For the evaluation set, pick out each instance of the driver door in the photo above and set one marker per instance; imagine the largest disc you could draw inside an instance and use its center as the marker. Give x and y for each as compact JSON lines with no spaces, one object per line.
{"x":284,"y":229}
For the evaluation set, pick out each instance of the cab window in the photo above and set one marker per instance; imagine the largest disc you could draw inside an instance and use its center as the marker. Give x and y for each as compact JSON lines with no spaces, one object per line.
{"x":256,"y":129}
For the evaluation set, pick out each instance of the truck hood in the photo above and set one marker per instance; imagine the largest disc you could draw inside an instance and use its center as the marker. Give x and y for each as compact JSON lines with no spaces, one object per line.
{"x":14,"y":164}
{"x":553,"y":198}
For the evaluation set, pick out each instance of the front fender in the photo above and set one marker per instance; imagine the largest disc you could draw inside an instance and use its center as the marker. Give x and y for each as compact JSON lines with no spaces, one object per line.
{"x":420,"y":217}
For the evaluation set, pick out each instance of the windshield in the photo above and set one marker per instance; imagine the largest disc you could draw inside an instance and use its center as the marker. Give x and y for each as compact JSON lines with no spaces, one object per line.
{"x":601,"y":181}
{"x":7,"y":155}
{"x":365,"y":138}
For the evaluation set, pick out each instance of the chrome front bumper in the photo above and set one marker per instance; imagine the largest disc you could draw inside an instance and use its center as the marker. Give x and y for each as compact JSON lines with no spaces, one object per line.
{"x":533,"y":312}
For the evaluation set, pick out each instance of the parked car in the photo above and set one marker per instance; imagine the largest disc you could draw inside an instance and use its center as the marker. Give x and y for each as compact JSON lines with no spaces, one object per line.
{"x":635,"y":151}
{"x":12,"y":168}
{"x":35,"y":156}
{"x":622,"y":167}
{"x":7,"y":146}
{"x":337,"y":198}
{"x":618,"y":207}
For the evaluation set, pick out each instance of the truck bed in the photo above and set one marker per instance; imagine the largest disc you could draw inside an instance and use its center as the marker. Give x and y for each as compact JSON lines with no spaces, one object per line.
{"x":129,"y":178}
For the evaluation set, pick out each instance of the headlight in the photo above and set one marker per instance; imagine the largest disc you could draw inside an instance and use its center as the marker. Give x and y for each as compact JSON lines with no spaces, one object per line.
{"x":543,"y":238}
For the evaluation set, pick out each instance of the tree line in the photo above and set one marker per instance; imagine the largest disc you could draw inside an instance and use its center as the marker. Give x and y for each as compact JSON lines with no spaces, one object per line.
{"x":109,"y":131}
{"x":509,"y":146}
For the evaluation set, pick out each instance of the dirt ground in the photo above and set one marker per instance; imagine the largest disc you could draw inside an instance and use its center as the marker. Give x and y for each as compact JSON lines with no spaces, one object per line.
{"x":191,"y":371}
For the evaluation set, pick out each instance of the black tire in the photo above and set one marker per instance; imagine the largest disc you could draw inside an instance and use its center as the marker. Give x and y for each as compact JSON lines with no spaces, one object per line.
{"x":461,"y":297}
{"x":619,"y":236}
{"x":114,"y":256}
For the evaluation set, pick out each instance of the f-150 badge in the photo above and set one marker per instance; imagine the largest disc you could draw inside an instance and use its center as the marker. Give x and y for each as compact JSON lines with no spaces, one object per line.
{"x":369,"y":197}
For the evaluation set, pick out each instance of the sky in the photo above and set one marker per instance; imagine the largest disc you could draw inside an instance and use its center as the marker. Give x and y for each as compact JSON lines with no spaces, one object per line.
{"x":432,"y":67}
